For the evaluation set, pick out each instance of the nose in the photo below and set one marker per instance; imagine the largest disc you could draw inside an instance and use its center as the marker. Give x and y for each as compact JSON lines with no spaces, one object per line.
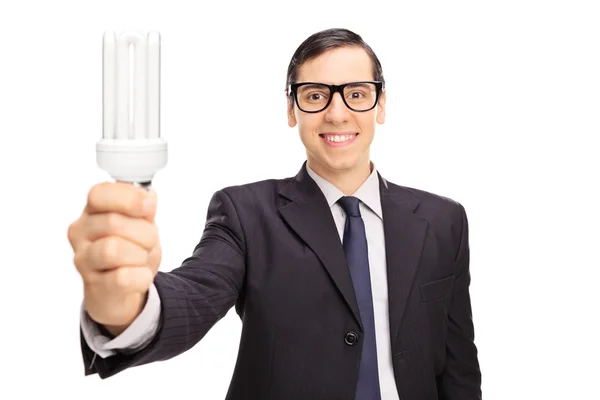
{"x":337,"y":112}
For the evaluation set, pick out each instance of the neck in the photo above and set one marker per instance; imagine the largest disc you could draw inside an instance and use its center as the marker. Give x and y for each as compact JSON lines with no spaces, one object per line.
{"x":346,"y":180}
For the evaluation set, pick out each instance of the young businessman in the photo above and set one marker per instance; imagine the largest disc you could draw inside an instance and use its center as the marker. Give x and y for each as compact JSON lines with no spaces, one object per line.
{"x":348,"y":286}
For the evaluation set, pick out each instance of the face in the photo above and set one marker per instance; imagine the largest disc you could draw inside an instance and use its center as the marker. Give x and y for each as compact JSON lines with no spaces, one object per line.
{"x":349,"y":151}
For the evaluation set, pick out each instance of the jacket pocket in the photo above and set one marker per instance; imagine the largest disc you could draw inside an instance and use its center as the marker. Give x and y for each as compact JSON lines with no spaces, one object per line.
{"x":436,"y":290}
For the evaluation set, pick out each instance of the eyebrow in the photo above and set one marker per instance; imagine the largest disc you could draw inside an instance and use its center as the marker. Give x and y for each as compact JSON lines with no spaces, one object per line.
{"x":312,"y":86}
{"x":358,"y":84}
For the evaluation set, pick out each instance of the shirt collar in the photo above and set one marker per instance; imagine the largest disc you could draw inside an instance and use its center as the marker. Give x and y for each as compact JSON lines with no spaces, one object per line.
{"x":367,"y":193}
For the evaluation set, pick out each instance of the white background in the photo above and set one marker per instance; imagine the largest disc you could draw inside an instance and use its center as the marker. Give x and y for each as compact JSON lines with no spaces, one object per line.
{"x":494,"y":104}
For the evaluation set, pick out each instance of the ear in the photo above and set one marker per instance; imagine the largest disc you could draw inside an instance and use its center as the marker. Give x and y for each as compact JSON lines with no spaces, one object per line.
{"x":381,"y":108}
{"x":290,"y":112}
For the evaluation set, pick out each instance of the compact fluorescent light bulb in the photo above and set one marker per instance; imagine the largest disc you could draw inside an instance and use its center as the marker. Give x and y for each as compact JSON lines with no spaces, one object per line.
{"x":131,"y":149}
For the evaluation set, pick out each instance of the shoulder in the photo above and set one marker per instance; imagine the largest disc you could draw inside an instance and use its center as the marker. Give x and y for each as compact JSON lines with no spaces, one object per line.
{"x":446,"y":216}
{"x":427,"y":199}
{"x":251,"y":197}
{"x":437,"y":208}
{"x":262,"y":188}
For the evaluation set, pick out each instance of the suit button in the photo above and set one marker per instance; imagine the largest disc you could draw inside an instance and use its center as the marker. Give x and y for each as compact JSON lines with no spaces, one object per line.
{"x":351,"y":338}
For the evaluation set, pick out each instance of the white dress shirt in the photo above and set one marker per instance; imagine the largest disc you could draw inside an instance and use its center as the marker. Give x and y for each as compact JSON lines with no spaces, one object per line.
{"x":144,"y":327}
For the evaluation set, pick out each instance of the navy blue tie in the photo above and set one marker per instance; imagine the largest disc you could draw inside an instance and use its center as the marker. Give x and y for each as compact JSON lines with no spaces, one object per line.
{"x":357,"y":257}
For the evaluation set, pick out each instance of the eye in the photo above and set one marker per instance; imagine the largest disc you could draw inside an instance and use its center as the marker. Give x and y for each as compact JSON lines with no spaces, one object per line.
{"x":315,"y":96}
{"x":356,"y":95}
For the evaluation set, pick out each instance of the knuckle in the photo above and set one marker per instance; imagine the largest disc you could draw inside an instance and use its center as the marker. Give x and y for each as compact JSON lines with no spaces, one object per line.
{"x":82,"y":263}
{"x":77,"y":261}
{"x":87,"y":277}
{"x":155,"y":254}
{"x":122,"y":278}
{"x":136,"y":255}
{"x":142,"y":256}
{"x":114,"y":223}
{"x":154,"y":261}
{"x":153,"y":236}
{"x":135,"y":200}
{"x":109,"y":249}
{"x":72,"y":233}
{"x":94,"y":194}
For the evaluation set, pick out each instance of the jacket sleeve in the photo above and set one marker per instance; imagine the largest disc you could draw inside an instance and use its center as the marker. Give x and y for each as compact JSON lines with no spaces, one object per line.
{"x":461,"y":377}
{"x":193,"y":297}
{"x":136,"y":336}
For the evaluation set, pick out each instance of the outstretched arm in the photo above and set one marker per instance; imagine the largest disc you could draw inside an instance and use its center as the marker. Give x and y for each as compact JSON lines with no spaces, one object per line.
{"x":193,"y":297}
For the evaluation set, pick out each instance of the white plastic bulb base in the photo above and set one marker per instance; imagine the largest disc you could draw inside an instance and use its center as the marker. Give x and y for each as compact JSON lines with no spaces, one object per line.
{"x":133,"y":161}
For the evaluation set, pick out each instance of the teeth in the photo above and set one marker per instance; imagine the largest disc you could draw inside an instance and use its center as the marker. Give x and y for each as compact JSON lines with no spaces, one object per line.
{"x":338,"y":138}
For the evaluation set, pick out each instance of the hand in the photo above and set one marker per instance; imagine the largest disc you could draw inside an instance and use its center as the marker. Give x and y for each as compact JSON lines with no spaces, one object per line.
{"x":117,"y":252}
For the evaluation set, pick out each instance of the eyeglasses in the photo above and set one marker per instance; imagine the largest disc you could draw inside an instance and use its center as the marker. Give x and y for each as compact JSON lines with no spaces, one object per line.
{"x":314,"y":97}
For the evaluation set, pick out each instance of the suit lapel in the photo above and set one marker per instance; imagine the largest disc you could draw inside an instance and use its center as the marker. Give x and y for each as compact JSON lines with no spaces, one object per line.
{"x":404,"y":238}
{"x":309,"y":215}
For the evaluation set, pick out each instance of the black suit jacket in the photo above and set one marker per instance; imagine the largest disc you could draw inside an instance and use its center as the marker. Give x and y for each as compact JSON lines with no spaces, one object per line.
{"x":271,"y":248}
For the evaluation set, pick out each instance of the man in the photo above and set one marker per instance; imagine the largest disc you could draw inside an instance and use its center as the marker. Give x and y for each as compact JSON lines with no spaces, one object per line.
{"x":348,"y":286}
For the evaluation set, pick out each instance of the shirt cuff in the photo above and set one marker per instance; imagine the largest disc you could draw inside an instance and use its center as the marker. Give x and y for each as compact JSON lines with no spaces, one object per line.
{"x":136,"y":336}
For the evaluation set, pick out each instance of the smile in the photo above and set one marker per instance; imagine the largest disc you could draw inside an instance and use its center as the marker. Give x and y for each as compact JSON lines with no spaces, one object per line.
{"x":338,"y":139}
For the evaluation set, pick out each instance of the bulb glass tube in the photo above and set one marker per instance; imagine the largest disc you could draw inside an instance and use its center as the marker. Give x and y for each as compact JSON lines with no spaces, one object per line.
{"x":131,"y":149}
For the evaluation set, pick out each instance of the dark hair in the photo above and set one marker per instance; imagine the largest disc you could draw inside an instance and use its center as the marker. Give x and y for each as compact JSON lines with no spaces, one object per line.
{"x":329,"y":39}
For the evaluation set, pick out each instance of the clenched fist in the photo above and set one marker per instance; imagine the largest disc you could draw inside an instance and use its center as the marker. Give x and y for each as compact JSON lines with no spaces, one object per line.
{"x":117,"y":252}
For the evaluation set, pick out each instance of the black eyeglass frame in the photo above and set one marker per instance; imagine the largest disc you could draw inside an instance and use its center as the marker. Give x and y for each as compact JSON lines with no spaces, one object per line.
{"x":333,"y":89}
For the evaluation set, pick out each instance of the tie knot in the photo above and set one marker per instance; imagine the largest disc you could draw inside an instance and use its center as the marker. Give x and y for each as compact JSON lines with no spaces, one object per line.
{"x":350,"y":205}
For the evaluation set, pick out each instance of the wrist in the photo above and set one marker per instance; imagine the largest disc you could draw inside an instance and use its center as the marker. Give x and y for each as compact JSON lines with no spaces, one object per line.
{"x":137,"y":302}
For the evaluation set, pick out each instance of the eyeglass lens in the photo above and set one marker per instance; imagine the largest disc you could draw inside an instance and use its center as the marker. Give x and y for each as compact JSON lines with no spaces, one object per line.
{"x":358,"y":96}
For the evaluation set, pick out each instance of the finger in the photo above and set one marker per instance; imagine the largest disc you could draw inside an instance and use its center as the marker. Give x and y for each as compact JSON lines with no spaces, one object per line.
{"x":113,"y":251}
{"x":122,"y":198}
{"x":128,"y":279}
{"x":154,"y":257}
{"x":151,"y":215}
{"x":81,"y":263}
{"x":136,"y":230}
{"x":74,"y":234}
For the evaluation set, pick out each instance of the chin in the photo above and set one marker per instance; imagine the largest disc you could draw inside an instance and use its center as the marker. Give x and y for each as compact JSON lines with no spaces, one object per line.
{"x":341,"y":163}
